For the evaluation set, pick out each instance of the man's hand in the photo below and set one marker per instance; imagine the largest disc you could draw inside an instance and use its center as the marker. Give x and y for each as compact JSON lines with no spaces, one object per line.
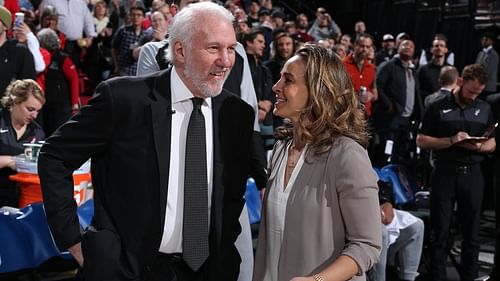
{"x":264,"y":108}
{"x":76,"y":252}
{"x":159,"y":34}
{"x":460,"y":136}
{"x":21,"y":32}
{"x":387,"y":213}
{"x":460,"y":139}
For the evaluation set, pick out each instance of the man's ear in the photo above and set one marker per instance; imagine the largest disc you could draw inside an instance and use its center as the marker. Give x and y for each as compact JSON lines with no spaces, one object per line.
{"x":460,"y":81}
{"x":179,"y":52}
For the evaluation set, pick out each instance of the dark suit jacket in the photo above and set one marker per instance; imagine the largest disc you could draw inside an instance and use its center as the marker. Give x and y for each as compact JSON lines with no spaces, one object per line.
{"x":126,"y":131}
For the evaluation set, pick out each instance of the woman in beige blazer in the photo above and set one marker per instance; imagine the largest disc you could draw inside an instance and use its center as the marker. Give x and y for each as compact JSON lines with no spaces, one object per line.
{"x":321,"y":217}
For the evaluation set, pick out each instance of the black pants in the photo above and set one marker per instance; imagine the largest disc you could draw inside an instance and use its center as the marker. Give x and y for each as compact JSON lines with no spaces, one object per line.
{"x":173,"y":268}
{"x":465,"y":186}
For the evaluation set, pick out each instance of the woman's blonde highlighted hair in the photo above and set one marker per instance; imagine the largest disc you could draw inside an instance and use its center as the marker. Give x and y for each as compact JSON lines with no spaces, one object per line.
{"x":18,"y":91}
{"x":333,"y":108}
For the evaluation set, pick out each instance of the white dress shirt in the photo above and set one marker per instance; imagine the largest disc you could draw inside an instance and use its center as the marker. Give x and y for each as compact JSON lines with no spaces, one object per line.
{"x":276,"y":212}
{"x":171,"y":241}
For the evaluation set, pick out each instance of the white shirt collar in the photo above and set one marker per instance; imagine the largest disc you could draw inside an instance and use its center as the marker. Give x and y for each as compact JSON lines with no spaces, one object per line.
{"x":488,"y":48}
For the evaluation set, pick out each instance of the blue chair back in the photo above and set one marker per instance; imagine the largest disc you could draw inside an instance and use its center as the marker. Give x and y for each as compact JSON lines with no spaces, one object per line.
{"x":252,"y":197}
{"x":14,"y":251}
{"x":86,"y":213}
{"x":404,"y":186}
{"x":25,"y":238}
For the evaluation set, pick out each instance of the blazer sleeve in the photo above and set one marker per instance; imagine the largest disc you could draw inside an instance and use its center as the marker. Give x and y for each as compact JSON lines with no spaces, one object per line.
{"x":84,"y":136}
{"x":356,"y":185}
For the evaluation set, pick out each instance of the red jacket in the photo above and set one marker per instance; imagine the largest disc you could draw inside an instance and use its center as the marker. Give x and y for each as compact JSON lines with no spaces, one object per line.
{"x":365,"y":77}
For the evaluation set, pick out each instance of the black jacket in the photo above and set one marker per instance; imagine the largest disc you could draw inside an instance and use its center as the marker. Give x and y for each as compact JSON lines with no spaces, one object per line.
{"x":125,"y":130}
{"x":391,"y":85}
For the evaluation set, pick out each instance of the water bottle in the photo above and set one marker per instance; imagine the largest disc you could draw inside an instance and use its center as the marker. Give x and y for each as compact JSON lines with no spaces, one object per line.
{"x":362,"y":93}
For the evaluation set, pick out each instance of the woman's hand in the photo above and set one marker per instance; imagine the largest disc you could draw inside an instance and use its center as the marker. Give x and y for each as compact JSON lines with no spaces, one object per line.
{"x":7,"y":161}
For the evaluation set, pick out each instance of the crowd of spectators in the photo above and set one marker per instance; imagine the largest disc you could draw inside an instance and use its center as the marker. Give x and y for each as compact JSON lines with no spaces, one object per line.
{"x":69,"y":47}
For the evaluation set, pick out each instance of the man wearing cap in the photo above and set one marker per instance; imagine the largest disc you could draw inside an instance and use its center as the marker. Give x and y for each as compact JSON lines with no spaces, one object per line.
{"x":278,"y":19}
{"x":387,"y":51}
{"x":399,"y":103}
{"x":16,"y":61}
{"x":488,"y":58}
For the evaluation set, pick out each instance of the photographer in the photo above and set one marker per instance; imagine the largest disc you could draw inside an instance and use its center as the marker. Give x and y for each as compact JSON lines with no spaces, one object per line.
{"x":324,"y":26}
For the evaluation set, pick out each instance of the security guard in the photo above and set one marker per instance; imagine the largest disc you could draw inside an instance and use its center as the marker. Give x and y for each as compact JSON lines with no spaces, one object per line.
{"x":448,"y":128}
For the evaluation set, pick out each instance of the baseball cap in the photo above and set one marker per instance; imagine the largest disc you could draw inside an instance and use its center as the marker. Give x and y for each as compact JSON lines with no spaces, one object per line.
{"x":264,"y":11}
{"x":5,"y":17}
{"x":403,"y":36}
{"x":388,"y":37}
{"x":278,"y":14}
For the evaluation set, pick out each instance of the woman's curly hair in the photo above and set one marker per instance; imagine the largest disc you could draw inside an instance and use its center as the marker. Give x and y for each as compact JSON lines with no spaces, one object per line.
{"x":18,"y":91}
{"x":333,"y":108}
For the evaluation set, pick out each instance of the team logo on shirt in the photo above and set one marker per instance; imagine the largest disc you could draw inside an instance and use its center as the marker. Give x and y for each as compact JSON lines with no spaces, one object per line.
{"x":446,"y":110}
{"x":3,"y":131}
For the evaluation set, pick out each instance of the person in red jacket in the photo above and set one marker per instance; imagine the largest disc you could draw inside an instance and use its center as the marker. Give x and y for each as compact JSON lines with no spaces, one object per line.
{"x":362,"y":72}
{"x":61,"y":83}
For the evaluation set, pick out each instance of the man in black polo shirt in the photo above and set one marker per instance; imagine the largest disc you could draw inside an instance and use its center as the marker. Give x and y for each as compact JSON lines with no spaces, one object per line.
{"x":447,"y":128}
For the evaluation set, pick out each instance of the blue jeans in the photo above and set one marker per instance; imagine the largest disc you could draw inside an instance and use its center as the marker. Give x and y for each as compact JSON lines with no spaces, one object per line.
{"x":404,"y":253}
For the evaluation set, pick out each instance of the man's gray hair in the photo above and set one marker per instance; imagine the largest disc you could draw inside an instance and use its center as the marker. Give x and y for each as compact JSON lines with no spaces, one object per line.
{"x":188,"y":20}
{"x":48,"y":39}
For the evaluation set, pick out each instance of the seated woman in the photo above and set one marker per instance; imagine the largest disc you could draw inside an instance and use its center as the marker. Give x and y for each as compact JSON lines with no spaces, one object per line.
{"x":321,"y":218}
{"x":21,"y":103}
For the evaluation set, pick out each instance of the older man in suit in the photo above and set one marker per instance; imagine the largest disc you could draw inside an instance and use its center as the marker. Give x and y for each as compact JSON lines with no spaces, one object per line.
{"x":138,"y":132}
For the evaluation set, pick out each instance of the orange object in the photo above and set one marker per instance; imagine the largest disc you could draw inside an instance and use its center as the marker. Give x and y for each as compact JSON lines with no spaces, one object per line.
{"x":30,"y":191}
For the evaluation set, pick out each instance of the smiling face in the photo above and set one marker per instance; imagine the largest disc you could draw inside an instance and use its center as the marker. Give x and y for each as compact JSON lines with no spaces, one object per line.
{"x":204,"y":62}
{"x":291,"y":90}
{"x":284,"y":47}
{"x":158,"y":21}
{"x":26,"y":111}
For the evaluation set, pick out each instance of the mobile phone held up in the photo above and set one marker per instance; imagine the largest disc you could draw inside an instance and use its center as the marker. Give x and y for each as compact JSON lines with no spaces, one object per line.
{"x":19,"y":19}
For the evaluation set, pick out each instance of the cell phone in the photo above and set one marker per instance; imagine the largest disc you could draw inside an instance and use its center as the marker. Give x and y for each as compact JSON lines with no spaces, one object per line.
{"x":19,"y":19}
{"x":490,"y":130}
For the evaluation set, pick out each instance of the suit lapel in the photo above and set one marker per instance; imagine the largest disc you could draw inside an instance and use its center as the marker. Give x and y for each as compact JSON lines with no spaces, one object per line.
{"x":161,"y":116}
{"x":218,"y":185}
